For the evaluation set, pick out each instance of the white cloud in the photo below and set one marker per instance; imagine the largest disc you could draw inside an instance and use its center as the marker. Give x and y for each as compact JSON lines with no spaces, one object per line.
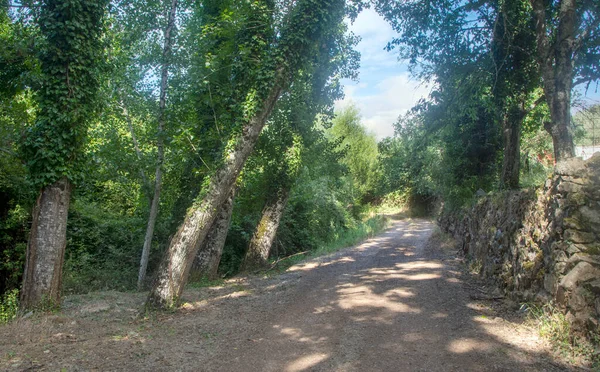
{"x":375,"y":33}
{"x":389,"y":99}
{"x":385,"y":90}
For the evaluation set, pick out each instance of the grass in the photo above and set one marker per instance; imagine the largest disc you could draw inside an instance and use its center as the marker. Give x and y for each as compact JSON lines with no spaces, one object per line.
{"x":205,"y":282}
{"x":363,"y":230}
{"x":553,"y":325}
{"x":346,"y":238}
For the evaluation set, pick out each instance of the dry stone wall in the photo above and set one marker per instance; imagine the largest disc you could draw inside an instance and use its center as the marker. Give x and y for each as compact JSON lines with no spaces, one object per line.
{"x":541,"y":245}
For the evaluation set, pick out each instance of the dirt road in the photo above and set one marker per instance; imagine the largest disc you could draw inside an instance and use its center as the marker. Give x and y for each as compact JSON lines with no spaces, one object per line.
{"x":393,"y":303}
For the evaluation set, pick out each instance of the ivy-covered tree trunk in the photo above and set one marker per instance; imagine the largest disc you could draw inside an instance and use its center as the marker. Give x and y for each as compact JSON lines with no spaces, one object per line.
{"x":206,"y":264}
{"x":557,"y":68}
{"x":260,"y":245}
{"x":176,"y":264}
{"x":299,"y":37}
{"x":159,"y":144}
{"x":71,"y":57}
{"x":46,"y":247}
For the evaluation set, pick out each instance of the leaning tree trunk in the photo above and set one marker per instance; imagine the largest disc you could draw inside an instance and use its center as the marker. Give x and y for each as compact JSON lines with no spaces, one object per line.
{"x":511,"y":163}
{"x":206,"y":264}
{"x":46,"y":247}
{"x":308,"y":22}
{"x":260,"y":245}
{"x":556,"y":65}
{"x":160,"y":146}
{"x":177,"y":261}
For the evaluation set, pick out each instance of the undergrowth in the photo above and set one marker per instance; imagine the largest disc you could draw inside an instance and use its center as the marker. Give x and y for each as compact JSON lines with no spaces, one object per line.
{"x":9,"y":306}
{"x":341,"y":239}
{"x":553,"y":325}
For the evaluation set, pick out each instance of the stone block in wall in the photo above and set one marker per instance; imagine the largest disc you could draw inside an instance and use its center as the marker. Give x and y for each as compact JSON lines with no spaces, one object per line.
{"x":559,"y":256}
{"x":580,"y":274}
{"x":569,"y":187}
{"x":576,"y":180}
{"x":591,"y":216}
{"x":560,"y":267}
{"x":574,"y":167}
{"x":592,"y":248}
{"x":593,"y":164}
{"x":582,"y":257}
{"x":575,"y":199}
{"x":573,"y":248}
{"x":578,"y":300}
{"x":576,"y":222}
{"x":550,"y":283}
{"x":593,"y":287}
{"x":577,"y":236}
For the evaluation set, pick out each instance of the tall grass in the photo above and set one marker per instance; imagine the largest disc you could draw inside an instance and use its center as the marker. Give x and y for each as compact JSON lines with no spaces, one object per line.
{"x":361,"y":231}
{"x":553,"y":325}
{"x":342,"y":238}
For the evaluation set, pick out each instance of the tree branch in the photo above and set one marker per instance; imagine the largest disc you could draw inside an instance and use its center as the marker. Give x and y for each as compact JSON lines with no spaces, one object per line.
{"x":586,"y":33}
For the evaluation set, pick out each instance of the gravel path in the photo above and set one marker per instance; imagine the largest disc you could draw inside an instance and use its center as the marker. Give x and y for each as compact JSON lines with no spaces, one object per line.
{"x":393,"y":303}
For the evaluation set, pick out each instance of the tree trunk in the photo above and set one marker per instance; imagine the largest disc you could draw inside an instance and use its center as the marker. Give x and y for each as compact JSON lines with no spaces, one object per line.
{"x":46,"y":247}
{"x":260,"y":246}
{"x":511,"y":163}
{"x":160,"y":146}
{"x":206,"y":264}
{"x":150,"y":228}
{"x":177,"y":261}
{"x":557,"y":69}
{"x":560,"y":126}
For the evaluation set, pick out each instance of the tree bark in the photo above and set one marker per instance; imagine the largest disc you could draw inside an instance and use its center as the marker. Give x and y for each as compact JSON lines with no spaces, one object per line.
{"x":160,"y":145}
{"x":177,"y":261}
{"x":260,"y":245}
{"x":556,"y":63}
{"x":511,"y":163}
{"x":206,"y":263}
{"x":46,"y":247}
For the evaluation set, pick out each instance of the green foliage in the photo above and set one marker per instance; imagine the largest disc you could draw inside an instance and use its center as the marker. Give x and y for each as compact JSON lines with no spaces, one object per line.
{"x":9,"y":305}
{"x":408,"y":165}
{"x":102,"y":248}
{"x":347,"y":237}
{"x":344,"y":238}
{"x":17,"y":111}
{"x":71,"y":63}
{"x":13,"y":231}
{"x":360,"y":153}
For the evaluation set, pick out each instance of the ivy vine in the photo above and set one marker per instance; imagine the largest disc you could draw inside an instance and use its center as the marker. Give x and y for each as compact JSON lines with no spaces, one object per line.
{"x":71,"y":58}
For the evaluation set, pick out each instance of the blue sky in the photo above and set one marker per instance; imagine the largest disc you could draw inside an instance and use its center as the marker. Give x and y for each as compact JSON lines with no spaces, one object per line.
{"x":385,"y":88}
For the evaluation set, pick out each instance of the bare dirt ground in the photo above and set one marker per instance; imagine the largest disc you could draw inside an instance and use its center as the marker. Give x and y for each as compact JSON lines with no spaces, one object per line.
{"x":397,"y":302}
